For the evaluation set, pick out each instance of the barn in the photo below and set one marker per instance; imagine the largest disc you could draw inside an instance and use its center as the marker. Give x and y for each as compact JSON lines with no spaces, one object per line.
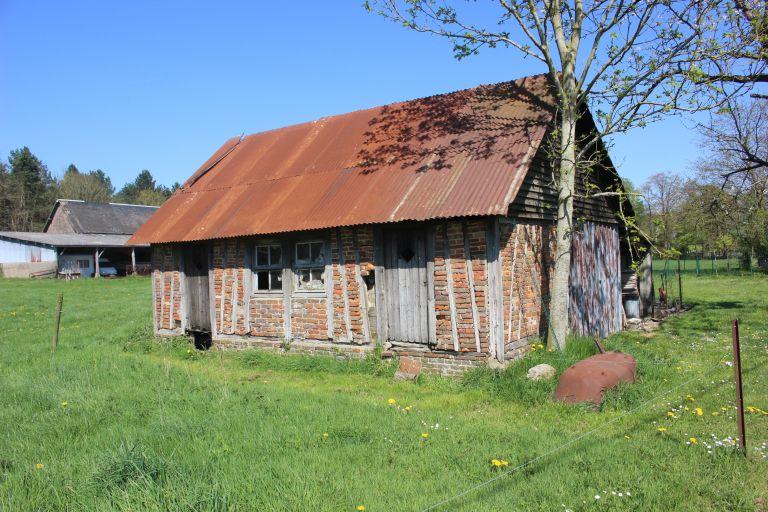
{"x":425,"y":227}
{"x":77,"y":238}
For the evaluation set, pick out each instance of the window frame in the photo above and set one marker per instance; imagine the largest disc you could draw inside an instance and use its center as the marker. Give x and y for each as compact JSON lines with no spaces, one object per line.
{"x":297,"y":267}
{"x":269,"y":268}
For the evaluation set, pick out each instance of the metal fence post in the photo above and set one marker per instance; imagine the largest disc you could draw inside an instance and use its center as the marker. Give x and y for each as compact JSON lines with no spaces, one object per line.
{"x":739,"y":391}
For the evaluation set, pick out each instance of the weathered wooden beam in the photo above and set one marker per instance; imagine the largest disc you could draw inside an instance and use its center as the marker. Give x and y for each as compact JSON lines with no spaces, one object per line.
{"x":512,"y":284}
{"x":449,"y":280}
{"x":248,"y":284}
{"x":432,"y":314}
{"x":380,"y":286}
{"x":471,"y":279}
{"x":495,"y":292}
{"x":329,"y":286}
{"x":224,"y":254}
{"x":212,"y":292}
{"x":362,"y":289}
{"x":345,"y":297}
{"x":133,"y":260}
{"x":287,"y":288}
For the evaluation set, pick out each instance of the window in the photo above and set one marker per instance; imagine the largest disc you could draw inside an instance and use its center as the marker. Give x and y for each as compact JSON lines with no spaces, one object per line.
{"x":268,"y":268}
{"x":309,"y":266}
{"x":83,"y":263}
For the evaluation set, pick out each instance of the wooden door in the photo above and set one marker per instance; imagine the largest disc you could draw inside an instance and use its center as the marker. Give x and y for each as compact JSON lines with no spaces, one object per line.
{"x":406,"y":285}
{"x":198,"y":298}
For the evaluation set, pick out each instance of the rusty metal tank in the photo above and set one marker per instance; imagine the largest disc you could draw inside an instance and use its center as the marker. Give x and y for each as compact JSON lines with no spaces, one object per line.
{"x":587,"y":380}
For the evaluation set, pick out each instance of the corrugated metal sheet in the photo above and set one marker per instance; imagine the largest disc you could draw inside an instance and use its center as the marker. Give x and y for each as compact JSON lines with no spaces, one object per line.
{"x":459,"y":154}
{"x":85,"y":217}
{"x":69,"y":239}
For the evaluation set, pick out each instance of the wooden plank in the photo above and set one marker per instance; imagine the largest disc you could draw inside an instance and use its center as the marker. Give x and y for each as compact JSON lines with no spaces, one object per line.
{"x":423,"y":304}
{"x":184,"y":290}
{"x":154,"y":292}
{"x":393,"y":287}
{"x":380,"y":285}
{"x":362,"y":289}
{"x":471,"y":279}
{"x":495,"y":303}
{"x":512,"y":283}
{"x":224,"y":251}
{"x":449,"y":279}
{"x":431,"y":313}
{"x":329,"y":286}
{"x":211,"y":292}
{"x":233,"y":314}
{"x":345,"y":297}
{"x":287,"y":287}
{"x":248,"y":284}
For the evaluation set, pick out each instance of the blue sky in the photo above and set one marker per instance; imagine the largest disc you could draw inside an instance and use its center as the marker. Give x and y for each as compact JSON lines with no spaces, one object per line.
{"x":125,"y":86}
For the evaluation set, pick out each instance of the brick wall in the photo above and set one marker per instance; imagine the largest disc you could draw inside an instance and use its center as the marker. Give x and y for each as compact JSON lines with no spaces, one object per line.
{"x":229,"y":274}
{"x":349,"y":319}
{"x":266,"y":316}
{"x":527,"y":264}
{"x":166,"y":284}
{"x":462,"y":291}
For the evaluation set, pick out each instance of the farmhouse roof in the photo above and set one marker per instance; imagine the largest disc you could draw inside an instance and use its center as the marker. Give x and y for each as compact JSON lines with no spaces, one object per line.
{"x":86,"y":217}
{"x":452,"y":155}
{"x":66,"y":239}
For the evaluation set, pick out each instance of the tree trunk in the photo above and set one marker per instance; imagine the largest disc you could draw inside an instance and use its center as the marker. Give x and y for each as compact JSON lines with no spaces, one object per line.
{"x":558,"y":311}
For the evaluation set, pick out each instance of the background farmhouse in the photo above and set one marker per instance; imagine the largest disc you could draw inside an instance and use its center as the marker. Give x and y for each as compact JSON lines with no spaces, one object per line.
{"x":428,"y":225}
{"x":77,"y":236}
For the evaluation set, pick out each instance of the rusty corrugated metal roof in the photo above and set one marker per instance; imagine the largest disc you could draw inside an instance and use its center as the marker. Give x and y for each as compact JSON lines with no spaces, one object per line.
{"x":451,"y":155}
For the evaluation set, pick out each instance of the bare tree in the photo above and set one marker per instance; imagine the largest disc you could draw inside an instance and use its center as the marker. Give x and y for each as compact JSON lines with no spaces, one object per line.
{"x":664,"y":193}
{"x":630,"y":61}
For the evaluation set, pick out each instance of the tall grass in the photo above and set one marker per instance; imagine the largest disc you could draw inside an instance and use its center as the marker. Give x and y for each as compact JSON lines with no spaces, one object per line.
{"x":116,"y":420}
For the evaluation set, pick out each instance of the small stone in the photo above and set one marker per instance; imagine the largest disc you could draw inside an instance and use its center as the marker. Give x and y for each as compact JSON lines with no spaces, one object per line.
{"x":542,"y":372}
{"x":410,"y":368}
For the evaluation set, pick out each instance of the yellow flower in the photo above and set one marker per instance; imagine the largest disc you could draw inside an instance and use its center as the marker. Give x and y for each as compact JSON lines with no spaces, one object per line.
{"x":715,"y":413}
{"x":752,"y":409}
{"x":693,"y":440}
{"x":391,"y":401}
{"x":699,"y":411}
{"x":662,"y":429}
{"x":407,"y":408}
{"x":550,"y":350}
{"x":533,"y":348}
{"x":64,"y":403}
{"x":189,"y":351}
{"x":361,"y":508}
{"x":690,"y":398}
{"x":671,"y":414}
{"x":540,"y":345}
{"x":425,"y":435}
{"x":499,"y":463}
{"x":325,"y":435}
{"x":39,"y":466}
{"x":626,"y":437}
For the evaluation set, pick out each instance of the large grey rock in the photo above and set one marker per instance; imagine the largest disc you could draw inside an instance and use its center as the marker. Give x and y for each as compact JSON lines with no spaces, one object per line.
{"x":542,"y":371}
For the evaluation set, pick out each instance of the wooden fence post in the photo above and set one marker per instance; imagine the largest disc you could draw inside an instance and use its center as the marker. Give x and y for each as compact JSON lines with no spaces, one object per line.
{"x":57,"y":322}
{"x":739,"y":391}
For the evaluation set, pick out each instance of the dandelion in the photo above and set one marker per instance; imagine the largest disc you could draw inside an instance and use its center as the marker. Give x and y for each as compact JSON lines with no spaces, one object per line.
{"x":361,"y":508}
{"x":671,"y":414}
{"x":407,"y":408}
{"x":39,"y":466}
{"x":325,"y":435}
{"x":540,"y":345}
{"x":693,"y":440}
{"x":699,"y":411}
{"x":391,"y":401}
{"x":550,"y":350}
{"x":499,"y":463}
{"x":64,"y":403}
{"x":189,"y":351}
{"x":690,"y":398}
{"x":662,"y":429}
{"x":715,"y":413}
{"x":425,"y":435}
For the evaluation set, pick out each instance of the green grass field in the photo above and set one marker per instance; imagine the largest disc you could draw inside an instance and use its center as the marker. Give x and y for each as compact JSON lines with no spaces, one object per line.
{"x":115,"y":420}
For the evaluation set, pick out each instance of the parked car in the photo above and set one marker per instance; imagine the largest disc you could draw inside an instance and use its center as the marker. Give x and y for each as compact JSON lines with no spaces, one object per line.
{"x":106,"y":269}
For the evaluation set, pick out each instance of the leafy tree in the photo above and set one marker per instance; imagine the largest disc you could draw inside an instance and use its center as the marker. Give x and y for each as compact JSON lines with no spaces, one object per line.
{"x":632,"y":62}
{"x":143,"y":190}
{"x":28,"y":191}
{"x":91,"y":186}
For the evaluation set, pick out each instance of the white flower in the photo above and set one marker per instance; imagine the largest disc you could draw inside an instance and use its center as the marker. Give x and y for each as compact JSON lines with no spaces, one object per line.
{"x":597,"y":496}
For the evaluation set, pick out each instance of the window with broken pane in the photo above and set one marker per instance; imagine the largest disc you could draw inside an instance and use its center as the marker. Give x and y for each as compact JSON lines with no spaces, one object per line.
{"x":268,"y":267}
{"x":309,"y":266}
